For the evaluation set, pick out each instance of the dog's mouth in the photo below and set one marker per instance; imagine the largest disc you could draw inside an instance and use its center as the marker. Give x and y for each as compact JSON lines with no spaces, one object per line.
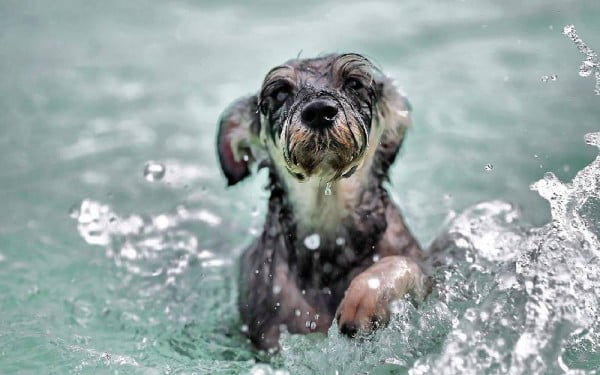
{"x":329,"y":144}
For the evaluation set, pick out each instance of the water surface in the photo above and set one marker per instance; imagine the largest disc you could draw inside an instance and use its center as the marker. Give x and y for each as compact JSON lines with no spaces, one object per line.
{"x":143,"y":280}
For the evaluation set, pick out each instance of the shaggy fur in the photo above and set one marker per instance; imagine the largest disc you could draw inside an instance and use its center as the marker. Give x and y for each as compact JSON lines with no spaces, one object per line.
{"x":366,"y":257}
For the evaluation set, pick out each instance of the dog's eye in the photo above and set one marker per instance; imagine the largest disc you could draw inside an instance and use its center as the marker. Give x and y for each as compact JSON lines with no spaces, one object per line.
{"x":353,"y":84}
{"x":281,"y":95}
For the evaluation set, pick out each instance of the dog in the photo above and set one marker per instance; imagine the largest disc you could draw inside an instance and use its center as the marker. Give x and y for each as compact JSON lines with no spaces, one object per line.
{"x":334,"y":245}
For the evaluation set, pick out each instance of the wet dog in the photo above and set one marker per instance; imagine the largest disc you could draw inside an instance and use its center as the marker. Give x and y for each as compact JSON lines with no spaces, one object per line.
{"x":334,"y":245}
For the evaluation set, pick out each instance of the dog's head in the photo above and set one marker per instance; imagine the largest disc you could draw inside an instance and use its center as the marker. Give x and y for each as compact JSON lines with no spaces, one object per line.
{"x":322,"y":117}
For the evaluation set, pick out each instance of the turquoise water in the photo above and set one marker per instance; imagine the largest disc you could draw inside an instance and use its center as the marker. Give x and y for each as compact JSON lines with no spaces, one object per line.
{"x":103,"y":271}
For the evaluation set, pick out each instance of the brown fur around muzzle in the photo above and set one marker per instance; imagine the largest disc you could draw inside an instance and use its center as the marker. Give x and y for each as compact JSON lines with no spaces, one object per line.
{"x":330,"y":152}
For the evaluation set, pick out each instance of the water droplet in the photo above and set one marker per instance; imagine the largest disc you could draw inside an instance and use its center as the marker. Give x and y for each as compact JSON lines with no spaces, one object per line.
{"x":545,"y":78}
{"x":74,"y":211}
{"x":568,"y":29}
{"x":313,"y":325}
{"x":297,"y":312}
{"x":470,"y":315}
{"x":162,"y":222}
{"x":313,"y":241}
{"x":586,"y":68}
{"x":328,"y":189}
{"x":592,"y":139}
{"x":244,"y":328}
{"x":246,"y":157}
{"x":376,"y":258}
{"x":373,"y":283}
{"x":340,"y":241}
{"x":488,"y":167}
{"x":154,"y":171}
{"x":276,"y":289}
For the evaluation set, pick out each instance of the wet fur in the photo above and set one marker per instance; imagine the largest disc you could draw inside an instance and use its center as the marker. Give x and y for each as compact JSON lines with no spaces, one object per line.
{"x":282,"y":283}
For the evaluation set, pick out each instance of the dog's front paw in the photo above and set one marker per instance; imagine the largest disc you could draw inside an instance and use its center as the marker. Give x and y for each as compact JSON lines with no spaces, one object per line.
{"x":366,"y":304}
{"x":364,"y":307}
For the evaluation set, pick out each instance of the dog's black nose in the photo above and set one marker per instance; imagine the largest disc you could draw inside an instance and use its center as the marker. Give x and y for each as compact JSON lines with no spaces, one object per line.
{"x":319,"y":114}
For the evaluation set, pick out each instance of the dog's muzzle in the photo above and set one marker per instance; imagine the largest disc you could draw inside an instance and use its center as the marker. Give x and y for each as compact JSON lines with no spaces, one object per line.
{"x":323,"y":137}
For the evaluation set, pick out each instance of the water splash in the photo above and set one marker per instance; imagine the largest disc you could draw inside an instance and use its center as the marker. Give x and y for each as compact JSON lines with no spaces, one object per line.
{"x":509,"y":298}
{"x":138,"y":242}
{"x":591,"y":63}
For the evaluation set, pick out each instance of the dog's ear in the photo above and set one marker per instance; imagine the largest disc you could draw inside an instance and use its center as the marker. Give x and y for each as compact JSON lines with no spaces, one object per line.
{"x":238,"y":143}
{"x":393,"y":114}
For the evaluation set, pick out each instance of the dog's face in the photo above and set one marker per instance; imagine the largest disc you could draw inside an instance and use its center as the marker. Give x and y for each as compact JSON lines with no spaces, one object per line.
{"x":316,"y":115}
{"x":312,"y":118}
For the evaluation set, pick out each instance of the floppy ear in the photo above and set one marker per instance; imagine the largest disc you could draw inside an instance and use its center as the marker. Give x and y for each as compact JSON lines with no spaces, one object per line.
{"x":238,"y":144}
{"x":394,"y":116}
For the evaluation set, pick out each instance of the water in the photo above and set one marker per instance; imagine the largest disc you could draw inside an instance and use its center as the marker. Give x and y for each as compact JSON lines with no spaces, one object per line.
{"x":103,"y":271}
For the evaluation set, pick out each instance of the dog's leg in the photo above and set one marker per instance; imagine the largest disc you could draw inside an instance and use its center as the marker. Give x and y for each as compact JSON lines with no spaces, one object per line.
{"x":366,"y":304}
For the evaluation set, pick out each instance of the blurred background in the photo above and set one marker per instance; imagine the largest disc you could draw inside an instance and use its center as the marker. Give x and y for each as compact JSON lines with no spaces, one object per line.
{"x":90,"y":92}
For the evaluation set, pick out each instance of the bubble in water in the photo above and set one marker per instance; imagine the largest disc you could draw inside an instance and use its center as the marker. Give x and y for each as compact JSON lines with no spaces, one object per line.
{"x":313,"y":325}
{"x":340,"y":241}
{"x":154,"y":171}
{"x":488,"y":167}
{"x":313,"y":241}
{"x":328,"y":189}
